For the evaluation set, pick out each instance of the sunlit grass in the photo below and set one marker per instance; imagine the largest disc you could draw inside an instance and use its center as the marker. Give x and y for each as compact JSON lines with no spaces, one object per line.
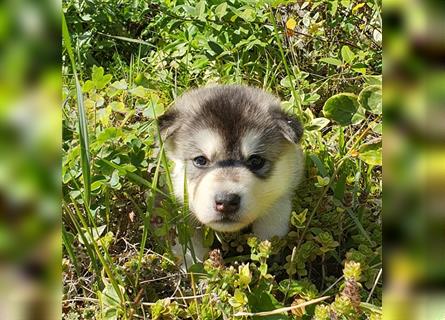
{"x":121,"y":218}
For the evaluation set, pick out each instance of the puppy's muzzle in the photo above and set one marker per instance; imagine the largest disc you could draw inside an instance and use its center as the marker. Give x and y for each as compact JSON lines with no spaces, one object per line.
{"x":227,"y":204}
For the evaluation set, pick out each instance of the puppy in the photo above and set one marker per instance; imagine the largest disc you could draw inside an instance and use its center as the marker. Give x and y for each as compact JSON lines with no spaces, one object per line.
{"x":240,"y":157}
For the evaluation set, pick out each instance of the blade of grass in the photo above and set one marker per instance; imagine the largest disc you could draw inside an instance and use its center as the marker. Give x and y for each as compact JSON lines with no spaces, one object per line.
{"x":134,"y":177}
{"x":104,"y":259}
{"x":128,"y":39}
{"x":88,"y":247}
{"x":290,"y":74}
{"x":184,"y":233}
{"x":359,"y":225}
{"x":82,"y":119}
{"x":67,"y":243}
{"x":147,"y":218}
{"x":279,"y":310}
{"x":93,"y":248}
{"x":377,"y":278}
{"x":371,"y":307}
{"x":163,"y":155}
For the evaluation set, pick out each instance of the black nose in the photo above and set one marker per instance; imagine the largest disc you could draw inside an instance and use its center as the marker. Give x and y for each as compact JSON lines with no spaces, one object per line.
{"x":227,"y":203}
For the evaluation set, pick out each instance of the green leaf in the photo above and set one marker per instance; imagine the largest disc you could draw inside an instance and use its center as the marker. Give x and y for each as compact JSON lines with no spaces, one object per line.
{"x":340,"y":186}
{"x":376,"y":127}
{"x":359,"y":116}
{"x":288,"y":82}
{"x":118,"y":106}
{"x":103,"y":116}
{"x":97,"y":74}
{"x":319,"y":164}
{"x":106,"y":240}
{"x":140,"y":92}
{"x":346,"y":3}
{"x":112,"y":134}
{"x":333,"y":6}
{"x":291,"y":287}
{"x":215,"y":47}
{"x":114,"y":181}
{"x":263,"y":269}
{"x":371,"y":153}
{"x":95,"y":233}
{"x":373,"y":80}
{"x":255,"y":42}
{"x":248,"y":14}
{"x":322,"y":181}
{"x":100,"y":80}
{"x":189,"y":10}
{"x":244,"y":275}
{"x":371,"y":307}
{"x":153,"y":110}
{"x":298,"y":220}
{"x":109,"y":302}
{"x":120,"y":85}
{"x":310,"y":98}
{"x":200,"y":9}
{"x":88,"y":86}
{"x":97,"y":184}
{"x":341,"y":108}
{"x":128,"y":167}
{"x":221,"y":10}
{"x":371,"y":99}
{"x":197,"y":268}
{"x":239,"y":299}
{"x":200,"y":62}
{"x":347,"y":55}
{"x":208,"y":237}
{"x":317,"y":124}
{"x":99,"y":100}
{"x":326,"y":240}
{"x":359,"y":68}
{"x":261,"y":300}
{"x":333,"y":61}
{"x":104,"y":81}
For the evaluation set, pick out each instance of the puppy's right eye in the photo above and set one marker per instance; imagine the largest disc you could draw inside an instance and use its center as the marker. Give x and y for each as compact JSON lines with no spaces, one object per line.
{"x":255,"y":162}
{"x":200,"y":161}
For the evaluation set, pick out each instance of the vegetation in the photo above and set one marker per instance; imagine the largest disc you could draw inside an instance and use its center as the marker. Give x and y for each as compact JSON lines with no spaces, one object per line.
{"x":124,"y":64}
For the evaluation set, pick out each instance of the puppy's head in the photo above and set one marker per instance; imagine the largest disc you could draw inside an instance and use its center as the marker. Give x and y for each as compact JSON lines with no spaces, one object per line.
{"x":237,"y":151}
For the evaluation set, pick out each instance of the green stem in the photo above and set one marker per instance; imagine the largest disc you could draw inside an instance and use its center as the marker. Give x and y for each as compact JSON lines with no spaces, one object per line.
{"x":296,"y":96}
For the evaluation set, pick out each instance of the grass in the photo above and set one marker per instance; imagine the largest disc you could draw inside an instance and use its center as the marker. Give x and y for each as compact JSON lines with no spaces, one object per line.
{"x":120,"y":215}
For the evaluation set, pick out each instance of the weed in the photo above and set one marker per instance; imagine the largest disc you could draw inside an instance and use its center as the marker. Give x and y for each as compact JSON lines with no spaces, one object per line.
{"x":124,"y":64}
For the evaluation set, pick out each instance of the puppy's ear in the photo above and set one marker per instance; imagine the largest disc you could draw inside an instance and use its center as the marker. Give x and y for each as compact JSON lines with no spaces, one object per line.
{"x":168,"y":123}
{"x":289,"y":126}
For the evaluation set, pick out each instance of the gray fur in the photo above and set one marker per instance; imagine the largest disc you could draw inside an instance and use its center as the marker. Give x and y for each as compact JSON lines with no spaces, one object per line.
{"x":230,"y":110}
{"x":234,"y":114}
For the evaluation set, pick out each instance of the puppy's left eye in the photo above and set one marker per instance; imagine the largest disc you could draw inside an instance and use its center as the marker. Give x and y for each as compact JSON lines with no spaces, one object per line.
{"x":255,"y":162}
{"x":200,"y":161}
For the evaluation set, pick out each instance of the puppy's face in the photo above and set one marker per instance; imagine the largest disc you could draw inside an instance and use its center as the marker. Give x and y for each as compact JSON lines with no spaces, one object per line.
{"x":236,"y":150}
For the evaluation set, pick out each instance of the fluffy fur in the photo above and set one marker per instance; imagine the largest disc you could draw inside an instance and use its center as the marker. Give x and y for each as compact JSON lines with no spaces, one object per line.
{"x":229,"y":126}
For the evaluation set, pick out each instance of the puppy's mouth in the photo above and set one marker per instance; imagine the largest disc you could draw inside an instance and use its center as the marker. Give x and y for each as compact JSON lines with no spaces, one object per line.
{"x":226,"y":224}
{"x":225,"y":220}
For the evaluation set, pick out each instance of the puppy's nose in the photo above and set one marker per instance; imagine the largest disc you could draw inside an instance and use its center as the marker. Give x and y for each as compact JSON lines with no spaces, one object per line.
{"x":227,"y":203}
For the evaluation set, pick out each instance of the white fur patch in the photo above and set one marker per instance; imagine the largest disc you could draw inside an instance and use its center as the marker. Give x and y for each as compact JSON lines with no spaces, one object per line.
{"x":275,"y":222}
{"x":263,"y":201}
{"x":209,"y":142}
{"x":220,"y":181}
{"x":250,"y":143}
{"x":269,"y":194}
